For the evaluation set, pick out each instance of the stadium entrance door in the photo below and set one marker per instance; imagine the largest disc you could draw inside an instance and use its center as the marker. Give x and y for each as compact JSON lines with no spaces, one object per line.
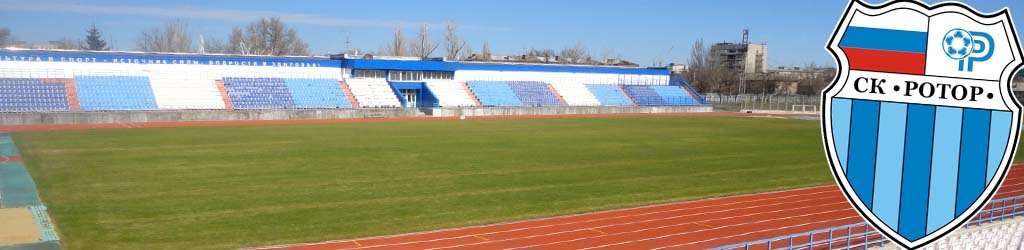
{"x":410,"y":96}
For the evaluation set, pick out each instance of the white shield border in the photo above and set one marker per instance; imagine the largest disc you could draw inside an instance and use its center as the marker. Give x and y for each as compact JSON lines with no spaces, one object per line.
{"x":842,"y":76}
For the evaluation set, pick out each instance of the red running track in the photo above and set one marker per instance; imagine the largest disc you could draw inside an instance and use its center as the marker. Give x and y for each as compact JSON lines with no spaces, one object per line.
{"x":686,"y":225}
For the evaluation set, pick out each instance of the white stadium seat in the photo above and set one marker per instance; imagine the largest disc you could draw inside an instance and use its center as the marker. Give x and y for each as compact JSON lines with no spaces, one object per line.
{"x":450,"y":93}
{"x":179,"y":90}
{"x":575,"y":94}
{"x":373,"y":93}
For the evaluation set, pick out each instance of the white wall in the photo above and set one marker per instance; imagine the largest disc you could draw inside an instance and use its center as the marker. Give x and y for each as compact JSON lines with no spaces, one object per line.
{"x":566,"y":77}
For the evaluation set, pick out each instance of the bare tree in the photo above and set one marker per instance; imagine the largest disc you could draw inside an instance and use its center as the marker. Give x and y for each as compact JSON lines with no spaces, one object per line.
{"x":466,"y":52}
{"x":575,"y":54}
{"x":173,"y":37}
{"x":5,"y":37}
{"x":397,"y":45}
{"x":267,"y":36}
{"x":610,"y":54}
{"x":455,"y":43}
{"x":816,"y":79}
{"x":216,"y":46}
{"x":541,"y":52}
{"x":485,"y":52}
{"x":423,"y":47}
{"x":706,"y":73}
{"x":66,"y":44}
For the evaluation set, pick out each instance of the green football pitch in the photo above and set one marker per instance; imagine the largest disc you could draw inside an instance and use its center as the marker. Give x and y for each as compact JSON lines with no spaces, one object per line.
{"x":228,"y":187}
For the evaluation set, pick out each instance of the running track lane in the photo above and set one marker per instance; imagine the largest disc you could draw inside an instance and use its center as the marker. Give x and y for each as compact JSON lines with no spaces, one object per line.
{"x":686,"y":225}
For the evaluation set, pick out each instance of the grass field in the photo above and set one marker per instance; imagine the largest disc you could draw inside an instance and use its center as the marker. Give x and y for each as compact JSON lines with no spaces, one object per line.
{"x":227,"y":187}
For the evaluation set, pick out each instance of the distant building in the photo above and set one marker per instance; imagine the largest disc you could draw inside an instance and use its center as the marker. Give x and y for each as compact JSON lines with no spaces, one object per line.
{"x":746,"y":58}
{"x":551,"y":60}
{"x":677,"y":68}
{"x":798,"y":73}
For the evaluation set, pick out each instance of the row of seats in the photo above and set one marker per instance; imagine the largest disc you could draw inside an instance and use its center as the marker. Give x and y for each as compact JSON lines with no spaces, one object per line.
{"x":674,"y":96}
{"x":317,"y":93}
{"x":1003,"y":236}
{"x":114,"y":93}
{"x":494,"y":94}
{"x":450,"y":93}
{"x":576,"y":94}
{"x":534,"y":94}
{"x":609,"y":95}
{"x":258,"y":93}
{"x":185,"y":92}
{"x":169,"y":91}
{"x":373,"y":93}
{"x":271,"y":93}
{"x":23,"y":94}
{"x":659,"y":95}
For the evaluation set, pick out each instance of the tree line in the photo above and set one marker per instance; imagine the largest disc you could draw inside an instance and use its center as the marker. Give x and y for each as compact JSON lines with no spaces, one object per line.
{"x":267,"y":36}
{"x":93,"y":41}
{"x":271,"y":36}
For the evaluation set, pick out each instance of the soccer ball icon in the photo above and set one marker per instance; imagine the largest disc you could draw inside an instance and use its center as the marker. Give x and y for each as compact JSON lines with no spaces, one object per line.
{"x":958,"y":44}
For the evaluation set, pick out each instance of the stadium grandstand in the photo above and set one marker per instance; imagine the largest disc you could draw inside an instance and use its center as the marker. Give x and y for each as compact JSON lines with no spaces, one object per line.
{"x":76,"y":81}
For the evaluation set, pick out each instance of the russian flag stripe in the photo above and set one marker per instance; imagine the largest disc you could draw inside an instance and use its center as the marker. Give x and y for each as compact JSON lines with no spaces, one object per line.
{"x":886,"y":61}
{"x":885,"y":39}
{"x":885,"y":50}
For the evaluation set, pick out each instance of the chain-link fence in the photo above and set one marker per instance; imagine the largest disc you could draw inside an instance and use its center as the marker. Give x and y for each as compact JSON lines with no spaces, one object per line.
{"x":792,"y":103}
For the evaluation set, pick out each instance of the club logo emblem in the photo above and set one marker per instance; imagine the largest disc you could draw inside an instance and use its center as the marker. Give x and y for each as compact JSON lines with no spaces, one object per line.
{"x":920,"y":124}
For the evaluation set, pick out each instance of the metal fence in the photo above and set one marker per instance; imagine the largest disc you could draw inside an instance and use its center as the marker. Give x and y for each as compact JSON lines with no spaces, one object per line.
{"x":862,"y":236}
{"x":667,"y":101}
{"x":763,"y":102}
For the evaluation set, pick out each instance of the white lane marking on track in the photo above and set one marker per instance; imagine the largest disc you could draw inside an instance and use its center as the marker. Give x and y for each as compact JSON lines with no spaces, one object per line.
{"x":650,"y":228}
{"x":584,"y":221}
{"x":731,"y":236}
{"x":610,"y":218}
{"x":829,"y":187}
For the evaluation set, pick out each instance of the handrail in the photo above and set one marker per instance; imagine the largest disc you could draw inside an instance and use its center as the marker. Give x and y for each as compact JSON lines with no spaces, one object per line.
{"x":861,"y":235}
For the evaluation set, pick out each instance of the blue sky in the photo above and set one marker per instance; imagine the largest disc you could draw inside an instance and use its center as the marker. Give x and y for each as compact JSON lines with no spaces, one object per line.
{"x":640,"y":31}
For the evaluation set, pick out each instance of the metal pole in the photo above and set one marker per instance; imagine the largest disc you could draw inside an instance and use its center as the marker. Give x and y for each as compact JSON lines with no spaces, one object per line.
{"x":830,"y":239}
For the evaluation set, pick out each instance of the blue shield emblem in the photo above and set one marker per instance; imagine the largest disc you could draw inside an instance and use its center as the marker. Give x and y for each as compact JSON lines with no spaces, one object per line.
{"x":920,"y":124}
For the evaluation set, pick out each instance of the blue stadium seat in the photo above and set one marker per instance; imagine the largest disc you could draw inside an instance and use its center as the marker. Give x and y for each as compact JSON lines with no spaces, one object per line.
{"x":660,"y":95}
{"x":644,"y":95}
{"x":115,"y":93}
{"x":609,"y":95}
{"x":317,"y":93}
{"x":534,"y":94}
{"x":674,"y":96}
{"x":258,"y":93}
{"x":494,"y":94}
{"x":26,"y":94}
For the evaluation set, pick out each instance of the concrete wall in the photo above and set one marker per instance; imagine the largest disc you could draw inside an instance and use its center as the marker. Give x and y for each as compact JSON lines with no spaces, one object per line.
{"x":305,"y":114}
{"x":197,"y":115}
{"x":569,"y":110}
